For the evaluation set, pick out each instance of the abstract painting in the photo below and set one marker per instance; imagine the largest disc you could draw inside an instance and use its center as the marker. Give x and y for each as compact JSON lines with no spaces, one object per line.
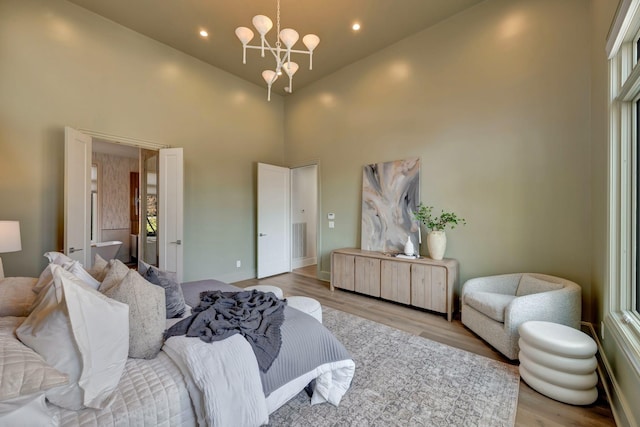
{"x":390,"y":193}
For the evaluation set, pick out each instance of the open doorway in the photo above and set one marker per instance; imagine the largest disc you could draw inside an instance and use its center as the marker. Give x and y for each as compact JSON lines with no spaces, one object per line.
{"x":86,"y":215}
{"x":124,"y":190}
{"x":304,"y":220}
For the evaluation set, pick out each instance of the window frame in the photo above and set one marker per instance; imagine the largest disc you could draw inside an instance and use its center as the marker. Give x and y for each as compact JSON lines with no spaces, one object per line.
{"x":621,"y":295}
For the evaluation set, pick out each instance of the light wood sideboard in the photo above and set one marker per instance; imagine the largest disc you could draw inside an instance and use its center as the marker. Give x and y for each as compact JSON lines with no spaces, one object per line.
{"x":421,"y":282}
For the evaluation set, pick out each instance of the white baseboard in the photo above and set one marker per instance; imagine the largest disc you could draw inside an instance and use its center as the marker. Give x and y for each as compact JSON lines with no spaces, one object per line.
{"x":303,"y":262}
{"x":609,"y":382}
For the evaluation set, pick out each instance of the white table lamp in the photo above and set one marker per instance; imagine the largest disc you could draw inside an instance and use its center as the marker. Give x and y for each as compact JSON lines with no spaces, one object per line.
{"x":9,"y":239}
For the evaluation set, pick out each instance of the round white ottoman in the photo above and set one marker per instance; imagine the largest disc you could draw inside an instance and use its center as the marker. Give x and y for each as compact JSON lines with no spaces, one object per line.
{"x":267,"y":288}
{"x":559,"y":362}
{"x":306,"y":305}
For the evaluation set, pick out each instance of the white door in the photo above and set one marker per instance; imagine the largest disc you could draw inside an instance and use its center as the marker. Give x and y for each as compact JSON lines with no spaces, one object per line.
{"x":170,"y":211}
{"x":77,"y":196}
{"x":274,"y":241}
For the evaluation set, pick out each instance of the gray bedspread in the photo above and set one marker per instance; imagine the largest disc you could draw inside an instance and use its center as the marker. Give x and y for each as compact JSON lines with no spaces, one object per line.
{"x":306,"y":343}
{"x":257,"y":316}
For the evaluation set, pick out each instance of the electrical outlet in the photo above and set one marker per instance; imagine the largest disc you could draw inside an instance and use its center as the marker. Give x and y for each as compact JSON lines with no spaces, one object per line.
{"x":238,"y":264}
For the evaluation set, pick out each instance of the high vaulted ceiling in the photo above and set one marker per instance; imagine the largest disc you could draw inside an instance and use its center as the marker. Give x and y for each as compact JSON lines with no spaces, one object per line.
{"x":177,"y":23}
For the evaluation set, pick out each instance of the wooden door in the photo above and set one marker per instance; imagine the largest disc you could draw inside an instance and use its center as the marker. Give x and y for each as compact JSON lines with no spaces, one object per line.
{"x":429,"y":287}
{"x":343,"y":271}
{"x":395,"y":281}
{"x":367,"y":276}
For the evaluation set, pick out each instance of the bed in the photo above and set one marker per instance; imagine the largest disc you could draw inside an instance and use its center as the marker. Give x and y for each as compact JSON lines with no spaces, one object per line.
{"x":192,"y":383}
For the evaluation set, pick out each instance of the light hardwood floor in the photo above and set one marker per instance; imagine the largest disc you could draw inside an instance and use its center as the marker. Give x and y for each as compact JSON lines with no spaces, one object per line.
{"x":534,"y":409}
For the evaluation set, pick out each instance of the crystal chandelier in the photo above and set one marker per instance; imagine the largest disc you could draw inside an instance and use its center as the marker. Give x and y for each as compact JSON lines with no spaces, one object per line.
{"x":281,"y":54}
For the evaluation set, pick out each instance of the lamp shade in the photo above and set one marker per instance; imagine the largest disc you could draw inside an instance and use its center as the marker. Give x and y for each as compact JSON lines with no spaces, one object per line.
{"x":311,"y":41}
{"x":10,"y":236}
{"x":269,"y":76}
{"x":244,"y":34}
{"x":262,"y":23}
{"x":289,"y":37}
{"x":290,"y":68}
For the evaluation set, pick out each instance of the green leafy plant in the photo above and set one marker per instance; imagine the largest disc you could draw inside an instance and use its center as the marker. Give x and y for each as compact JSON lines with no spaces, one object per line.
{"x":437,"y":223}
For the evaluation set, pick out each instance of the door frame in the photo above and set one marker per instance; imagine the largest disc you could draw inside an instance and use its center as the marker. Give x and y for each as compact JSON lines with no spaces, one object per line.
{"x":124,"y":140}
{"x":319,"y":219}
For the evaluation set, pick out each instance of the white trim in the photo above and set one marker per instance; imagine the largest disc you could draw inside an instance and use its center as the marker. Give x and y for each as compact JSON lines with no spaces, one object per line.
{"x":125,"y":140}
{"x":605,"y":372}
{"x":621,"y":24}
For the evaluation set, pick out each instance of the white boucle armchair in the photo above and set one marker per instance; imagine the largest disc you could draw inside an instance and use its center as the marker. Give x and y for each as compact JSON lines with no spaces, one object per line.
{"x":493,"y":307}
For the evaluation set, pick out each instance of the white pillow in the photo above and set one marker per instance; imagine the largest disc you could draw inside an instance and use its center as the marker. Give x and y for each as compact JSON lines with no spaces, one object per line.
{"x":16,"y":296}
{"x":57,"y":258}
{"x":73,"y":266}
{"x":83,"y":334}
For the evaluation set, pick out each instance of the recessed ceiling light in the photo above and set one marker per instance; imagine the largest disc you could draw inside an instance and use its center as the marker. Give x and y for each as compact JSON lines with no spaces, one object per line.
{"x":355,"y":26}
{"x":204,"y":33}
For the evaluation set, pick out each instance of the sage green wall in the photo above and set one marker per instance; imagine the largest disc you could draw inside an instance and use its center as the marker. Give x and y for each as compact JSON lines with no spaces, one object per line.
{"x":62,"y":65}
{"x":496,"y":103}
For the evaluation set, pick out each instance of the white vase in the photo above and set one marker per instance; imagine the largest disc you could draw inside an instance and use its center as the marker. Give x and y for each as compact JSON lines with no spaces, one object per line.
{"x":408,"y":247}
{"x":437,"y":244}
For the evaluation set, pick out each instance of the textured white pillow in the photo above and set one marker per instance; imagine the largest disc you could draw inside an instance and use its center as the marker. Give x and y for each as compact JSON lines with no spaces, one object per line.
{"x":83,"y":334}
{"x":16,"y":296}
{"x":115,"y":274}
{"x":99,"y":269}
{"x":147,"y":314}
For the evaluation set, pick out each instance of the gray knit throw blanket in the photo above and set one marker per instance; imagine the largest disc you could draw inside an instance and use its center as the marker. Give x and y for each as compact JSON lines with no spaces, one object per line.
{"x":256,"y":315}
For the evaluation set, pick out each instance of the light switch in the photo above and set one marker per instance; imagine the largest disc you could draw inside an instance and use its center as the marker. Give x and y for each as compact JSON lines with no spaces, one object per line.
{"x":332,"y":224}
{"x":331,"y":216}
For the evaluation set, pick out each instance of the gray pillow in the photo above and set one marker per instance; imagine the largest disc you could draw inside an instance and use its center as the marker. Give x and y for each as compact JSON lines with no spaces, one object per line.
{"x":172,"y":289}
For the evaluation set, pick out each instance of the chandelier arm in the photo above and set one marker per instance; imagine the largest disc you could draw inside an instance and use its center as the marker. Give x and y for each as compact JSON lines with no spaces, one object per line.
{"x":306,"y":52}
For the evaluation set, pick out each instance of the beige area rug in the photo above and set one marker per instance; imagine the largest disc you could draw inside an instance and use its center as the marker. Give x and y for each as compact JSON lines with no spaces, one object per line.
{"x":406,"y":380}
